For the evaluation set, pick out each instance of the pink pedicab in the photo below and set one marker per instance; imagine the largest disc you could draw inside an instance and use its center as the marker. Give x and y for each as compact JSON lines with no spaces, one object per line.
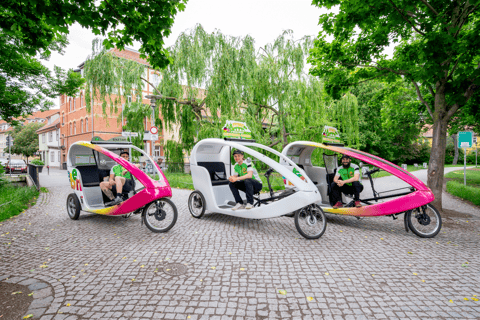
{"x":414,"y":201}
{"x":89,"y":163}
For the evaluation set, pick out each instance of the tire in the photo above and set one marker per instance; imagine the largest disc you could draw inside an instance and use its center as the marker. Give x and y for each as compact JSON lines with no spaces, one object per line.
{"x":196,"y":204}
{"x":73,"y":206}
{"x":424,"y":224}
{"x":310,"y":222}
{"x":160,"y":215}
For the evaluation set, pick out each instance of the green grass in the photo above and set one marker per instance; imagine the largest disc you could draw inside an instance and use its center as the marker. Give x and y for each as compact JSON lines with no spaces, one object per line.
{"x":14,"y":200}
{"x":44,"y":190}
{"x":471,"y":191}
{"x":184,"y":181}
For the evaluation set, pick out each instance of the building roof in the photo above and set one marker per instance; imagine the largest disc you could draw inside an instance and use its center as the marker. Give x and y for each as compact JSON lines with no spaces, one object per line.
{"x":49,"y":127}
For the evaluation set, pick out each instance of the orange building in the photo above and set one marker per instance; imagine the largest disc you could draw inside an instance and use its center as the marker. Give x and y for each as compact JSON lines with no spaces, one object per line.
{"x":76,"y":124}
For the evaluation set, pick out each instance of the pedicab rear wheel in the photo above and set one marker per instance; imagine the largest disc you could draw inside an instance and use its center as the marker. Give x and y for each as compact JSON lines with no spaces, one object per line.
{"x":73,"y":206}
{"x":160,"y":215}
{"x":424,"y":221}
{"x":196,"y":204}
{"x":311,"y":222}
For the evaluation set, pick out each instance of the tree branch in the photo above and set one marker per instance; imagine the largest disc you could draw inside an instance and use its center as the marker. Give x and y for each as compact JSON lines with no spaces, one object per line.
{"x":430,"y":7}
{"x":419,"y":94}
{"x":406,"y":19}
{"x":468,"y":94}
{"x":262,"y":106}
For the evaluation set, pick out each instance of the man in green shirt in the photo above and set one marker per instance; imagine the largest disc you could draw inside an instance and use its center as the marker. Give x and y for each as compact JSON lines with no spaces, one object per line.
{"x":346,"y":180}
{"x":120,"y":180}
{"x":245,"y":178}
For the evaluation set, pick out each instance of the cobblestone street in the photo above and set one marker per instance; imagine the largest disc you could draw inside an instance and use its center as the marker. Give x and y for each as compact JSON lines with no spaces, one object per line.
{"x":230,"y":268}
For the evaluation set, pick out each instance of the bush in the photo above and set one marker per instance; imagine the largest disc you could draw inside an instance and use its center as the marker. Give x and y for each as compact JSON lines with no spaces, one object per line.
{"x":37,"y":162}
{"x":450,"y":152}
{"x":471,"y":157}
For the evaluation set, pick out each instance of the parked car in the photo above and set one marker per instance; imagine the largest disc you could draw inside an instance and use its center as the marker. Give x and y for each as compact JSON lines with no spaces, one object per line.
{"x":16,"y":166}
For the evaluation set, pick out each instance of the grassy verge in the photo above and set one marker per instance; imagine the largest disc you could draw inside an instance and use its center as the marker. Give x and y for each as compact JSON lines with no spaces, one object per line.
{"x":471,"y":191}
{"x":184,"y":181}
{"x":14,"y":200}
{"x":411,"y":168}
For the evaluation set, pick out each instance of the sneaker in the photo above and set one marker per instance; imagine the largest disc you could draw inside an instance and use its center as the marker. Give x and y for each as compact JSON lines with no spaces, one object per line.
{"x":338,"y":205}
{"x":358,"y":204}
{"x":238,"y":206}
{"x":249,"y":206}
{"x":115,"y":201}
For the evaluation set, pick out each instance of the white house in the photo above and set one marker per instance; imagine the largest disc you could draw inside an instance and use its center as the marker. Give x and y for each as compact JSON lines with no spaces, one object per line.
{"x":49,"y":141}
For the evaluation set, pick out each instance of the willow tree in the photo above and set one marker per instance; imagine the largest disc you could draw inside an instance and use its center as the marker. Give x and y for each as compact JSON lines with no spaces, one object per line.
{"x":214,"y":77}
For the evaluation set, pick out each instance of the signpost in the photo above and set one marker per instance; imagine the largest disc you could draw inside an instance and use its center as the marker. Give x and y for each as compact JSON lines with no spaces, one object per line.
{"x":465,"y":140}
{"x":129,"y":134}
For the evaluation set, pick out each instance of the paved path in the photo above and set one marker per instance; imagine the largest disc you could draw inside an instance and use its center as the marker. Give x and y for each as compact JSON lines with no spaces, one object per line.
{"x":360,"y":269}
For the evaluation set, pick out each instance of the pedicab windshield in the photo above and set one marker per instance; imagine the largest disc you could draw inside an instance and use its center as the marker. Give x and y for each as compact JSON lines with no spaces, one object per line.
{"x":84,"y":156}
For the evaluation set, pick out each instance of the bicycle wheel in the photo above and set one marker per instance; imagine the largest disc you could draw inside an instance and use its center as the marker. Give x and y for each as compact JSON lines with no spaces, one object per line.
{"x":425,"y":221}
{"x":160,"y":215}
{"x":196,"y":204}
{"x":311,"y":222}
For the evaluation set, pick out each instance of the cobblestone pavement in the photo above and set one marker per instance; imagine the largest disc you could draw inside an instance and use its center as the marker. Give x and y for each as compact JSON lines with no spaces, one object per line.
{"x":113,"y":268}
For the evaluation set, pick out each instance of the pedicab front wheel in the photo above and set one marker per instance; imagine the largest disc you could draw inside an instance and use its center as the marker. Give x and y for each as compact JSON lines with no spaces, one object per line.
{"x":424,"y":221}
{"x":73,"y":206}
{"x":311,"y":222}
{"x":196,"y":204}
{"x":160,"y":215}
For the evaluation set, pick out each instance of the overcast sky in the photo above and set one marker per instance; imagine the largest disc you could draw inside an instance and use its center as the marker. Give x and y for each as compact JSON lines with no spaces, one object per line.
{"x":264,"y":20}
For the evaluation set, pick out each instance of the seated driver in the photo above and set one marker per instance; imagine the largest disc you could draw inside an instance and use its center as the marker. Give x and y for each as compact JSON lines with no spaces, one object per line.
{"x":246,"y":179}
{"x":120,"y":180}
{"x":346,"y":180}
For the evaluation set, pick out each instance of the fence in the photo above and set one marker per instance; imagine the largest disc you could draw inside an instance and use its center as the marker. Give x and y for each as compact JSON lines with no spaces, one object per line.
{"x":33,"y":172}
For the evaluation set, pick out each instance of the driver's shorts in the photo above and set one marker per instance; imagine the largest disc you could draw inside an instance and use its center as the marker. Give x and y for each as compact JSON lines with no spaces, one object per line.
{"x":127,"y":187}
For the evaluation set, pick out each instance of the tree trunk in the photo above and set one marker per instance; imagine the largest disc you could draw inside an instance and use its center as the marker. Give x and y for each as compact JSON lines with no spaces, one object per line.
{"x":455,"y":145}
{"x":436,"y":164}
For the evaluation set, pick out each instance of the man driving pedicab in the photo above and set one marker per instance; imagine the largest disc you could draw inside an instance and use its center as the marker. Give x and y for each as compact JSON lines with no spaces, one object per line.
{"x":346,"y":181}
{"x":245,"y":178}
{"x":120,"y":180}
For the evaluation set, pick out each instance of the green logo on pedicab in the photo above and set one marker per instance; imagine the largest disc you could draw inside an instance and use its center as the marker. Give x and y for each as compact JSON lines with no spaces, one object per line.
{"x":236,"y":129}
{"x":330,"y":134}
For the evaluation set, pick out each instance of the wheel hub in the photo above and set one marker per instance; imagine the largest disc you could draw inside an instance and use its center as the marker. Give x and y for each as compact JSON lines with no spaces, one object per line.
{"x":311,"y":220}
{"x":423,"y":219}
{"x":159,"y":214}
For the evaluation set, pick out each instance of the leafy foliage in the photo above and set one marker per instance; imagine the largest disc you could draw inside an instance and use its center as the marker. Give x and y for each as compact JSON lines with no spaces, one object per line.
{"x":26,"y":139}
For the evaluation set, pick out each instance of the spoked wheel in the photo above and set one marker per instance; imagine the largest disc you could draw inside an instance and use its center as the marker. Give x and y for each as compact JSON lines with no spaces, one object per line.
{"x":160,"y":215}
{"x":196,"y":204}
{"x":73,"y":206}
{"x":424,"y":221}
{"x":311,"y":222}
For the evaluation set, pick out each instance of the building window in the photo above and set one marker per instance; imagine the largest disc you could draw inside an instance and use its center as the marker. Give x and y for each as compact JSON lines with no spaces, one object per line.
{"x":158,"y":150}
{"x":71,"y":129}
{"x":74,"y":127}
{"x":52,"y":156}
{"x":58,"y":156}
{"x":63,"y":119}
{"x":86,"y":124}
{"x":58,"y":134}
{"x":43,"y":137}
{"x":70,"y":106}
{"x":50,"y":136}
{"x":81,"y":100}
{"x":81,"y":126}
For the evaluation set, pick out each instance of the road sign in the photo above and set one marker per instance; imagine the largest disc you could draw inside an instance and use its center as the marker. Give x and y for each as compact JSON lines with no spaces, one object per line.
{"x":154,"y":130}
{"x":465,"y":139}
{"x":150,"y":137}
{"x":129,"y":134}
{"x":154,"y":137}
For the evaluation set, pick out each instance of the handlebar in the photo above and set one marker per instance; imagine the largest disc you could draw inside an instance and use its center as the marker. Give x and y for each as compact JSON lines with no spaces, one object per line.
{"x":372,"y":171}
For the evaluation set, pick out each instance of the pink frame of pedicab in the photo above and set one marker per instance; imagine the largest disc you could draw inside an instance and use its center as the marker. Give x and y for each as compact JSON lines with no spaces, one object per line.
{"x":153,"y":190}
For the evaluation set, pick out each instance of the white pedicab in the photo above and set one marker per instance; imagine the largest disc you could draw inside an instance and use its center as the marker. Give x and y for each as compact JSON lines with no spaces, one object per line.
{"x":210,"y":164}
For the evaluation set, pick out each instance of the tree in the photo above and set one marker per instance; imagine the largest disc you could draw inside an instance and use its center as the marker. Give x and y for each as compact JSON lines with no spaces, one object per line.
{"x":436,"y":49}
{"x":214,"y":77}
{"x":30,"y":32}
{"x":26,"y":139}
